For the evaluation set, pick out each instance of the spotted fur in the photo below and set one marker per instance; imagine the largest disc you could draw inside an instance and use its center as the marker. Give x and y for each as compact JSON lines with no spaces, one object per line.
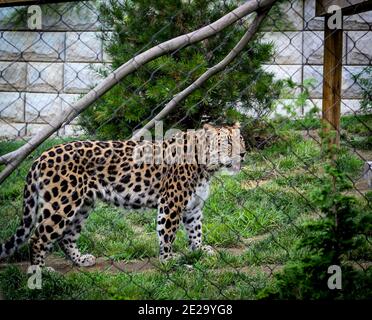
{"x":65,"y":181}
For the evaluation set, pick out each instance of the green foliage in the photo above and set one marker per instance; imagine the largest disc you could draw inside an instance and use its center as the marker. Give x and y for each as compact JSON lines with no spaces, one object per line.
{"x":142,"y":94}
{"x":331,"y":240}
{"x":365,"y":82}
{"x":167,"y":283}
{"x":12,"y":188}
{"x":13,"y":284}
{"x":359,"y":129}
{"x":357,"y":125}
{"x":295,"y":102}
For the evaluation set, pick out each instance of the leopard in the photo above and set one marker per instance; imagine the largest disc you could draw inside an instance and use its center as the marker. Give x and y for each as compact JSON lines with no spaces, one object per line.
{"x":171,"y":175}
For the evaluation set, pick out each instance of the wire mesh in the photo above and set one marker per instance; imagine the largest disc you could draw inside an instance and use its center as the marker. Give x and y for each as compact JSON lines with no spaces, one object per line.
{"x":252,"y":220}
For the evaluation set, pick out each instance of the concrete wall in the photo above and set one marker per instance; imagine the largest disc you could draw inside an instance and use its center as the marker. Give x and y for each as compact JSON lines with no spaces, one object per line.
{"x":299,"y":52}
{"x":42,"y":72}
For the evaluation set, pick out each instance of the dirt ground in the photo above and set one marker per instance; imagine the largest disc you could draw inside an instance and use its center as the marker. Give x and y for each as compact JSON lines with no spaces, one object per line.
{"x":104,"y":264}
{"x":64,"y":266}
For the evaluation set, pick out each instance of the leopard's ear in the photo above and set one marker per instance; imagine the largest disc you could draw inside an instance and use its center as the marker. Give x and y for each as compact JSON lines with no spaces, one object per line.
{"x":207,"y":126}
{"x":236,"y":125}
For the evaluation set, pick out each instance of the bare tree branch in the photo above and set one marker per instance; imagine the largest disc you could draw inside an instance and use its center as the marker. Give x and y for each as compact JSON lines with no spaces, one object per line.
{"x":206,"y":75}
{"x":14,"y":158}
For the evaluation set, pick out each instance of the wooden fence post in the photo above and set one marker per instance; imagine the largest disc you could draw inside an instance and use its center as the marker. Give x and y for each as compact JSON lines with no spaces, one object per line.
{"x":332,"y":72}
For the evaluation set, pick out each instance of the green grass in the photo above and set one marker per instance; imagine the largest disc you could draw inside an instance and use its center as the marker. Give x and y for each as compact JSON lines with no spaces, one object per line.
{"x":182,"y":283}
{"x":253,"y":219}
{"x":360,"y":124}
{"x":12,"y":188}
{"x":108,"y":232}
{"x":356,"y":130}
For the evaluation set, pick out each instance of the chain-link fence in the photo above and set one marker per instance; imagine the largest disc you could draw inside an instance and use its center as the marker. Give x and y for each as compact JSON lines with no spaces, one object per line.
{"x":54,"y":54}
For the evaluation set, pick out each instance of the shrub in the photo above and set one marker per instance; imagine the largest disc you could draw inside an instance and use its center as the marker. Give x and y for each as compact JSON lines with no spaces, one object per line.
{"x":141,"y":95}
{"x":330,"y":240}
{"x":365,"y":82}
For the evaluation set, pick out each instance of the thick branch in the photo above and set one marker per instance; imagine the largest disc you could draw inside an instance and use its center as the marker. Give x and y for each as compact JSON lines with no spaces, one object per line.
{"x":13,"y":159}
{"x":206,"y":75}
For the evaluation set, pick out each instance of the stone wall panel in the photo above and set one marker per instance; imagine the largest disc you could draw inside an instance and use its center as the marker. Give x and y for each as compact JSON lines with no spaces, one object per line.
{"x":12,"y":106}
{"x":13,"y":76}
{"x":44,"y":77}
{"x":42,"y":107}
{"x":32,"y":46}
{"x":359,"y":47}
{"x":80,"y":77}
{"x":83,"y":46}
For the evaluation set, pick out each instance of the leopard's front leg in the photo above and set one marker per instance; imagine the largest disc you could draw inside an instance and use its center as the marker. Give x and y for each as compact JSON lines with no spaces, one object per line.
{"x":192,"y":221}
{"x":168,"y":222}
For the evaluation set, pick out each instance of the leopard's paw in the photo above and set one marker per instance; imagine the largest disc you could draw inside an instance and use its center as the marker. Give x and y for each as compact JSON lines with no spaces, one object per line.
{"x":87,"y":260}
{"x":169,"y":256}
{"x":208,"y":250}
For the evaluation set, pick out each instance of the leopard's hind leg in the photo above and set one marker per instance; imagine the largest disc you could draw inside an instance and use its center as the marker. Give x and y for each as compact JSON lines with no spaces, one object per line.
{"x":48,"y":231}
{"x":60,"y":218}
{"x":72,"y":234}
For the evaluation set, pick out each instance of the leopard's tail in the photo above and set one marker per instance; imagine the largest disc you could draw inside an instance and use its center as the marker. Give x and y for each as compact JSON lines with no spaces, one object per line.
{"x":28,"y":221}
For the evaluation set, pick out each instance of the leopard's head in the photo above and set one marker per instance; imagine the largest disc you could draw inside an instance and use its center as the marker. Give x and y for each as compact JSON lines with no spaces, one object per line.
{"x":225,"y":147}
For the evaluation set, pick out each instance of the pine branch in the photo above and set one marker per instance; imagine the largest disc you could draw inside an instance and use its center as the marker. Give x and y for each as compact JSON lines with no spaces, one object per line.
{"x":206,"y":75}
